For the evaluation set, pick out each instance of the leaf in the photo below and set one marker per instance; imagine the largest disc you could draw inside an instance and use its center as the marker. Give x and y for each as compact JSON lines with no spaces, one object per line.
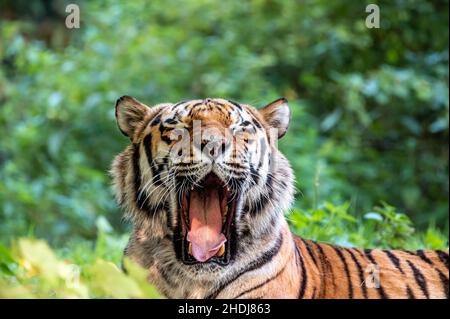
{"x":439,"y":125}
{"x":14,"y":291}
{"x":103,"y":225}
{"x":108,"y":280}
{"x":38,"y":256}
{"x":331,"y":120}
{"x":373,"y":216}
{"x":8,"y":265}
{"x":140,"y":275}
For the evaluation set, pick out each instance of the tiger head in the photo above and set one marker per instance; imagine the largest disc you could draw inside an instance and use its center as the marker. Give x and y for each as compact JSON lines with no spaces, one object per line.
{"x":206,"y":174}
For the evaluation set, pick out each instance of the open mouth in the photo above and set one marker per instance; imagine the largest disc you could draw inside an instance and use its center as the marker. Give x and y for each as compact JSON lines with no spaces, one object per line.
{"x":206,"y":213}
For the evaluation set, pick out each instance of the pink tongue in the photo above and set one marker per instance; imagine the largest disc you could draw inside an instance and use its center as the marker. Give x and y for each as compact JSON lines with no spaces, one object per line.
{"x":205,"y":218}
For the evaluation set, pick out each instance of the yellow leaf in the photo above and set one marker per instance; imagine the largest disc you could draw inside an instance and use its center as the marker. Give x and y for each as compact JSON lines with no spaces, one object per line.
{"x":13,"y":292}
{"x":139,"y":274}
{"x":108,"y":279}
{"x":37,"y":256}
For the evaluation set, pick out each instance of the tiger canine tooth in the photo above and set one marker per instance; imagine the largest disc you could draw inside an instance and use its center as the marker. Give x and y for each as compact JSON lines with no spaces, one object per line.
{"x":221,"y":251}
{"x":190,"y":249}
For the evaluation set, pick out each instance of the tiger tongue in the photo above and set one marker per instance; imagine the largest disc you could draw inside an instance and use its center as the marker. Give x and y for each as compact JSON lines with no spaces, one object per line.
{"x":205,"y":217}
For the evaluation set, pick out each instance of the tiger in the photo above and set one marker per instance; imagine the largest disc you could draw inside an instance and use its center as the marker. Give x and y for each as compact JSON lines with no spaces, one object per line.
{"x":206,"y":190}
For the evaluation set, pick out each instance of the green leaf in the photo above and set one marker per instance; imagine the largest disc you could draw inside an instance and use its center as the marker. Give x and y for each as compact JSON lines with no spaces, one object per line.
{"x":373,"y":216}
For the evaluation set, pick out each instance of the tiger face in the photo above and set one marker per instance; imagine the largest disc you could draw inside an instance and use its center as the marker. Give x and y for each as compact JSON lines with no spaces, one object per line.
{"x":205,"y":174}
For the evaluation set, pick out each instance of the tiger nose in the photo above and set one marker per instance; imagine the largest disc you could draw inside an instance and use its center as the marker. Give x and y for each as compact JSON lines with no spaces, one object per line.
{"x":214,"y":147}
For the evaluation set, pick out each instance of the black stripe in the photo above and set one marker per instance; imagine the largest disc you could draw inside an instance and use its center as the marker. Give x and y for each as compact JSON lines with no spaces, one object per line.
{"x":420,"y":279}
{"x":263,"y":200}
{"x":156,"y":169}
{"x":148,"y":151}
{"x":322,"y":253}
{"x":162,"y":128}
{"x":380,"y":290}
{"x":171,"y":121}
{"x":368,"y":253}
{"x":310,"y":252}
{"x":256,"y":122}
{"x":325,"y":264}
{"x":358,"y":251}
{"x":412,"y":253}
{"x":267,"y":231}
{"x":160,"y":208}
{"x":297,"y":256}
{"x":263,"y":146}
{"x":237,"y":165}
{"x":256,"y":264}
{"x":360,"y":272}
{"x":255,"y":175}
{"x":269,"y":181}
{"x":442,"y":277}
{"x":394,"y":259}
{"x":236,"y":104}
{"x":179,"y":103}
{"x":157,"y":174}
{"x":347,"y":272}
{"x":444,"y":282}
{"x":443,"y":256}
{"x":156,"y":121}
{"x":422,"y":256}
{"x":166,"y":139}
{"x":261,"y":285}
{"x":195,"y":105}
{"x":304,"y":278}
{"x":410,"y":293}
{"x":259,"y":205}
{"x":140,"y":200}
{"x":222,"y":108}
{"x":164,"y":273}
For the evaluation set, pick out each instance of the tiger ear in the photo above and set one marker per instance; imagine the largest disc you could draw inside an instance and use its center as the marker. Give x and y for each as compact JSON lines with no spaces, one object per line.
{"x":129,"y":114}
{"x":278,"y":115}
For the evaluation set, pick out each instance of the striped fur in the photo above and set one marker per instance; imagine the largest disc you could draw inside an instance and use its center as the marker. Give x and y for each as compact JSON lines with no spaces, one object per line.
{"x":267,"y":261}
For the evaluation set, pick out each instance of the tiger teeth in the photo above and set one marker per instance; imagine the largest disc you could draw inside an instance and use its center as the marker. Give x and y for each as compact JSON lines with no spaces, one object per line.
{"x":190,"y":249}
{"x":221,"y":251}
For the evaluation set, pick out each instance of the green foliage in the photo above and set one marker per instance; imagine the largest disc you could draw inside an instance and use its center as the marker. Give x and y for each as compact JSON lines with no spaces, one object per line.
{"x":370,"y":116}
{"x":30,"y":269}
{"x":383,"y":227}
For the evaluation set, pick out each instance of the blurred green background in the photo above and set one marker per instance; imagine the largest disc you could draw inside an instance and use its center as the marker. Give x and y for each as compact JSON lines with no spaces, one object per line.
{"x":370,"y":106}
